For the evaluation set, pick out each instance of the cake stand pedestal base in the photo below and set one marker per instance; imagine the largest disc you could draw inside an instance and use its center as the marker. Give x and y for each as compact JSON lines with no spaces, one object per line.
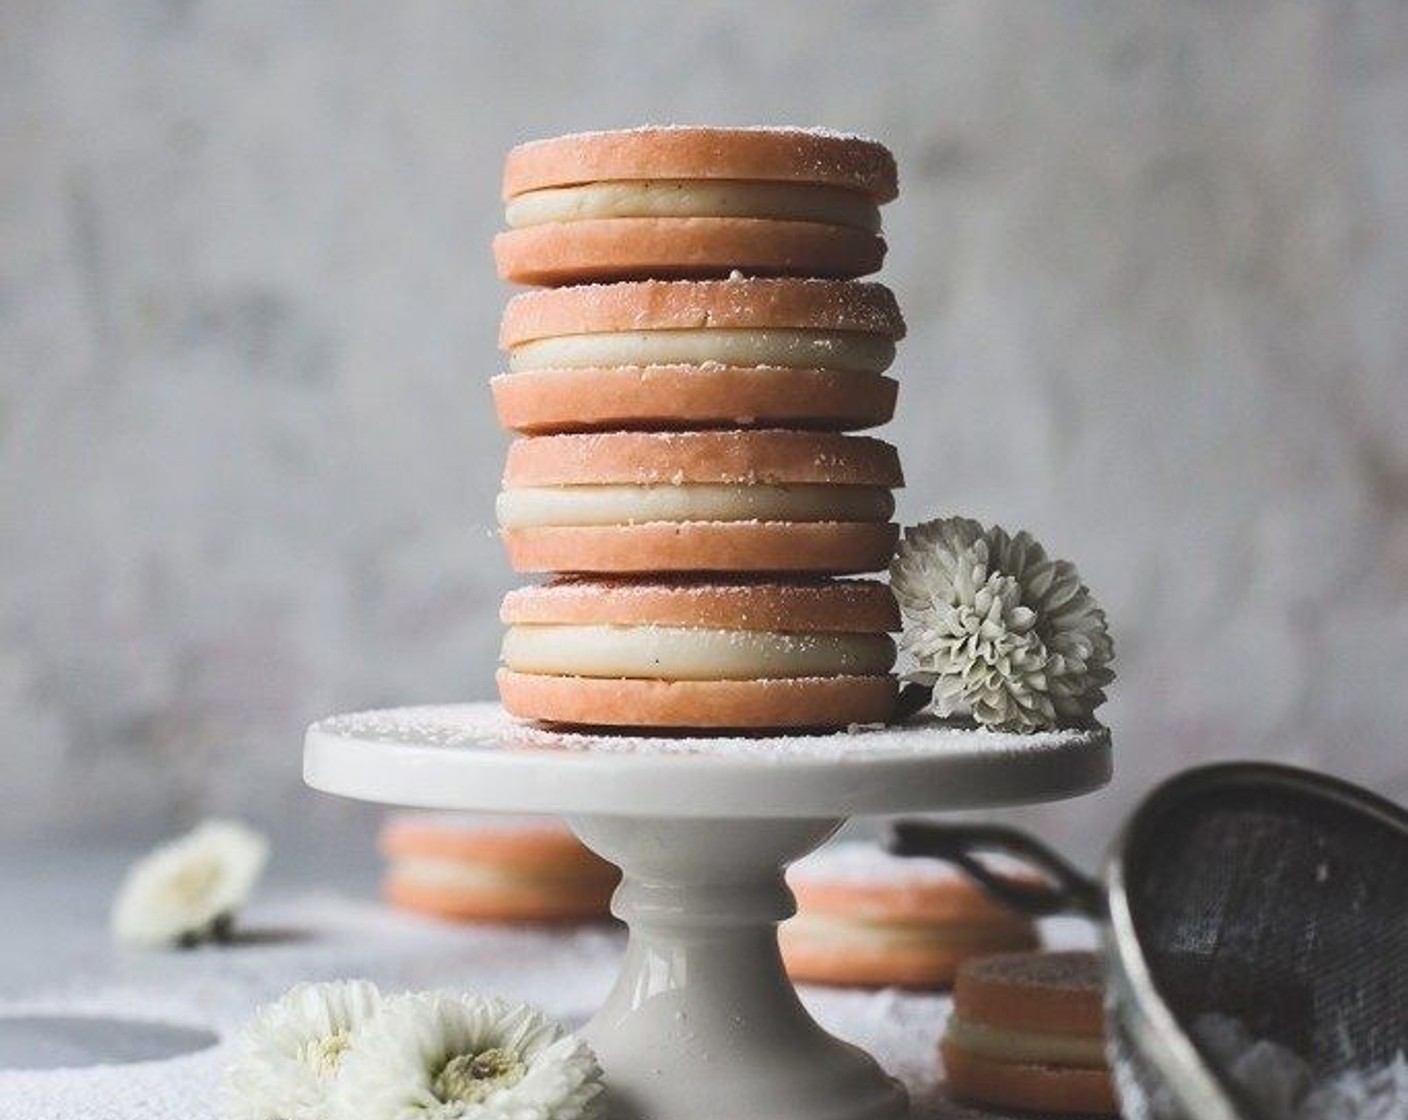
{"x":703,"y":1022}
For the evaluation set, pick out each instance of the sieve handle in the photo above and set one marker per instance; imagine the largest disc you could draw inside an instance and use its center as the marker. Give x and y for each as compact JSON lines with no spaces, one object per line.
{"x":1065,"y":889}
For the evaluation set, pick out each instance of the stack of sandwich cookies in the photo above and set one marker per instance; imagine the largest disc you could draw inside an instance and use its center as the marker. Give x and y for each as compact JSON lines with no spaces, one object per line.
{"x":683,"y":446}
{"x":454,"y":867}
{"x":866,"y":918}
{"x":1027,"y":1032}
{"x":693,"y":202}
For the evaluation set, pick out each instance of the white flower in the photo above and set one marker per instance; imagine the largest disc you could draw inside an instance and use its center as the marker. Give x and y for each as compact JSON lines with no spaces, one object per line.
{"x":435,"y":1056}
{"x":287,"y":1060}
{"x":1000,"y":631}
{"x":189,"y":890}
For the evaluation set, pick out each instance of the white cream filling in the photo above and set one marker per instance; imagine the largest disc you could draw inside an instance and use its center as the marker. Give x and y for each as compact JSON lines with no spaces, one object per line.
{"x":459,"y":874}
{"x":685,"y":654}
{"x":826,"y":929}
{"x":1001,"y":1044}
{"x":529,"y":506}
{"x":694,"y":198}
{"x":847,"y":351}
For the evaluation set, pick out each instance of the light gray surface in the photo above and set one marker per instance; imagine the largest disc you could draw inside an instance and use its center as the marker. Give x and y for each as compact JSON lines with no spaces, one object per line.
{"x":64,"y":1041}
{"x":58,"y":959}
{"x":1153,"y":258}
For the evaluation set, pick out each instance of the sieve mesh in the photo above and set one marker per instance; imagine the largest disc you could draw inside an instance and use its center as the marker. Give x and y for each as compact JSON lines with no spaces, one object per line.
{"x":1275,"y":899}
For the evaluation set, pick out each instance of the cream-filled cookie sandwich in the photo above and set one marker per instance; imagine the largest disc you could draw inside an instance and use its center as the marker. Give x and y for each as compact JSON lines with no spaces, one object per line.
{"x":741,"y":352}
{"x":708,"y":655}
{"x":506,"y":870}
{"x":669,"y":202}
{"x":866,"y":918}
{"x":1028,"y":1032}
{"x":732,"y":501}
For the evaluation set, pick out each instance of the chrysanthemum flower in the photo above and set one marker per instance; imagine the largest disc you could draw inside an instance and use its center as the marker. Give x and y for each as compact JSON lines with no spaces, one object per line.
{"x":998,"y":630}
{"x":189,"y":890}
{"x":441,"y":1057}
{"x":288,"y":1059}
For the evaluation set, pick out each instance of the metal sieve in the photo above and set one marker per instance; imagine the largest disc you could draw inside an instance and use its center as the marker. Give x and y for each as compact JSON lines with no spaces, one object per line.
{"x":1272,"y":897}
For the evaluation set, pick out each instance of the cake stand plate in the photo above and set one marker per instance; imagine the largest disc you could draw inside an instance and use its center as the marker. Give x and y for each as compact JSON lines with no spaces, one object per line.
{"x":703,"y":1022}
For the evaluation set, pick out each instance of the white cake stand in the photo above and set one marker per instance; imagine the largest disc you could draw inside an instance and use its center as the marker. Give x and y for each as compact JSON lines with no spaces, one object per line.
{"x":703,"y":1023}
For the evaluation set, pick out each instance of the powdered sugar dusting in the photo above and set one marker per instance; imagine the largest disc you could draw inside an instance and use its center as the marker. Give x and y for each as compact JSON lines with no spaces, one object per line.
{"x":738,"y":301}
{"x":1375,"y":1094}
{"x":488,"y":727}
{"x":642,"y":129}
{"x":1069,"y":971}
{"x":860,"y":864}
{"x":1282,"y":1084}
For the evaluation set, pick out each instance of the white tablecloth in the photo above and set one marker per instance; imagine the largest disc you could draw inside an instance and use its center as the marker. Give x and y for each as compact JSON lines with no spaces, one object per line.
{"x":303,"y":935}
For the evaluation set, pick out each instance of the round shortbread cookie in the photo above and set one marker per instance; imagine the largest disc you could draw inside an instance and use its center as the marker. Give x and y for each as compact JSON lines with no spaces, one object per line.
{"x":878,"y":964}
{"x":822,"y":548}
{"x":864,"y":882}
{"x":500,"y":904}
{"x":455,"y":868}
{"x":811,"y":606}
{"x":1035,"y":1088}
{"x":867,"y":918}
{"x":767,"y":456}
{"x":529,"y":843}
{"x":597,"y":250}
{"x":670,"y":152}
{"x":544,"y":402}
{"x":799,"y":703}
{"x":1054,"y":993}
{"x":735,"y":304}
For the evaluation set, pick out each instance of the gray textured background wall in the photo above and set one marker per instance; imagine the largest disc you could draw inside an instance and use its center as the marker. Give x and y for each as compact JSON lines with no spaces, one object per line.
{"x":1154,"y":256}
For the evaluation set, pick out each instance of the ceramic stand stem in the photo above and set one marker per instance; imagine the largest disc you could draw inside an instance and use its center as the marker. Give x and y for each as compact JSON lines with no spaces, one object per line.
{"x":703,"y":1021}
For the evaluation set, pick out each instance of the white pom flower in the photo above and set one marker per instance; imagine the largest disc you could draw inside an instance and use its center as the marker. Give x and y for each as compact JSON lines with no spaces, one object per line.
{"x":190,"y":889}
{"x":287,"y":1060}
{"x":1000,"y":632}
{"x":440,"y":1057}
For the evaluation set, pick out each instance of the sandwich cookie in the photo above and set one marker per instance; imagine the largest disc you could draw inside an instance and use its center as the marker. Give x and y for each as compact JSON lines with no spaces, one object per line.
{"x":734,"y":501}
{"x":866,"y":918}
{"x":693,"y":203}
{"x":684,"y":654}
{"x":1027,"y":1032}
{"x":456,"y":867}
{"x":731,"y":353}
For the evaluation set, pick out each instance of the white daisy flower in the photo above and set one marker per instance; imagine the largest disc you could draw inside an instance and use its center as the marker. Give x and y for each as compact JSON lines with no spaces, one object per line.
{"x":998,"y":630}
{"x":189,"y":890}
{"x":436,"y":1056}
{"x":287,"y":1060}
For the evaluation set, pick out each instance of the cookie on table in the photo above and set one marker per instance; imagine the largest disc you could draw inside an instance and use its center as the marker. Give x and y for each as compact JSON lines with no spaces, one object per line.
{"x":868,"y":919}
{"x":734,"y":501}
{"x":735,"y":353}
{"x":1028,"y":1032}
{"x":705,"y":655}
{"x":672,"y":202}
{"x":509,"y":870}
